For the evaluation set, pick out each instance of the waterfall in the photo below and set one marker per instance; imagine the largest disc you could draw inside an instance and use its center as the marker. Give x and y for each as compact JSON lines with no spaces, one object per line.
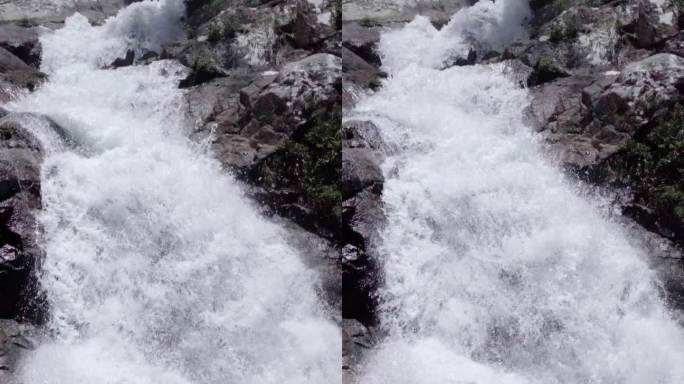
{"x":157,"y":269}
{"x":497,"y":268}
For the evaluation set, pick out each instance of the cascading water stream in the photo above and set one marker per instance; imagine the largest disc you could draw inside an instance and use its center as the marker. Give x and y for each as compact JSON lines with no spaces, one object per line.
{"x":157,"y":269}
{"x":497,"y":269}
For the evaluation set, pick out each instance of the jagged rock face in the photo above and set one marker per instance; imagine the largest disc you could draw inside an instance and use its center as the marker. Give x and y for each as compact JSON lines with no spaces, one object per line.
{"x":250,"y":127}
{"x":580,"y":40}
{"x":641,"y":88}
{"x":357,"y":340}
{"x":264,"y":93}
{"x":360,"y":170}
{"x":21,"y":42}
{"x":224,"y":37}
{"x":588,"y":118}
{"x":357,"y":76}
{"x":362,"y":40}
{"x":16,"y":75}
{"x":362,"y":218}
{"x":596,"y":103}
{"x":21,"y":154}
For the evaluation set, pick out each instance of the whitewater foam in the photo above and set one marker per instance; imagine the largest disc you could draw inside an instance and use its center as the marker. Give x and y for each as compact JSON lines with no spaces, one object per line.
{"x":497,"y":269}
{"x":157,"y":269}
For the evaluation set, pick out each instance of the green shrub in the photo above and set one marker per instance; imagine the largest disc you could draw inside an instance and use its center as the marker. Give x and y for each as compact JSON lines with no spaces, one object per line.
{"x":653,"y":167}
{"x":310,"y":165}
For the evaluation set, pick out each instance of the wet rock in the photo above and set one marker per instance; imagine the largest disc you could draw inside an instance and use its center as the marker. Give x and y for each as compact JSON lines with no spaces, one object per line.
{"x":222,"y":37}
{"x":357,"y":340}
{"x":124,"y":61}
{"x":275,"y":104}
{"x":360,"y":170}
{"x":362,"y":218}
{"x":15,"y":338}
{"x":362,"y":134}
{"x":360,"y":61}
{"x":357,"y":76}
{"x":323,"y":256}
{"x":22,"y":42}
{"x":362,"y":40}
{"x":10,"y":64}
{"x":16,"y":75}
{"x":301,"y":180}
{"x":21,"y":152}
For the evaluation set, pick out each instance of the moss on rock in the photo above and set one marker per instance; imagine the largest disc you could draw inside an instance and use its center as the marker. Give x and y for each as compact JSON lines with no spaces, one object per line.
{"x":309,"y":167}
{"x":652,"y":166}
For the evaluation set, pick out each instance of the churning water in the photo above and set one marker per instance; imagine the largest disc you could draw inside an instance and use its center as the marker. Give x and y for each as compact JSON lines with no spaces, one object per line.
{"x":497,"y":268}
{"x":157,"y":269}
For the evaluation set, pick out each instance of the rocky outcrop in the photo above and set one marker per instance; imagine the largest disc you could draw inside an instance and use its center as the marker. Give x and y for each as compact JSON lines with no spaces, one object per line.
{"x":258,"y":119}
{"x":255,"y":124}
{"x":596,"y":113}
{"x":16,"y":76}
{"x":264,"y":91}
{"x":357,"y":339}
{"x":22,"y":42}
{"x":606,"y":91}
{"x":225,"y":36}
{"x":21,"y":153}
{"x":19,"y":60}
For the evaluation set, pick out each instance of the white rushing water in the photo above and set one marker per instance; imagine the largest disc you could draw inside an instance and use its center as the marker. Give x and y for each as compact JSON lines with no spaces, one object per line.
{"x":157,"y":269}
{"x":497,"y":268}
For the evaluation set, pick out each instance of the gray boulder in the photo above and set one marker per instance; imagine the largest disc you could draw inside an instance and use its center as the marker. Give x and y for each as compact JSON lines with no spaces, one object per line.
{"x":273,"y":105}
{"x":16,"y":75}
{"x":22,"y":42}
{"x":360,"y":170}
{"x":588,"y":118}
{"x":641,"y":88}
{"x":357,"y":341}
{"x":357,"y":76}
{"x":362,"y":40}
